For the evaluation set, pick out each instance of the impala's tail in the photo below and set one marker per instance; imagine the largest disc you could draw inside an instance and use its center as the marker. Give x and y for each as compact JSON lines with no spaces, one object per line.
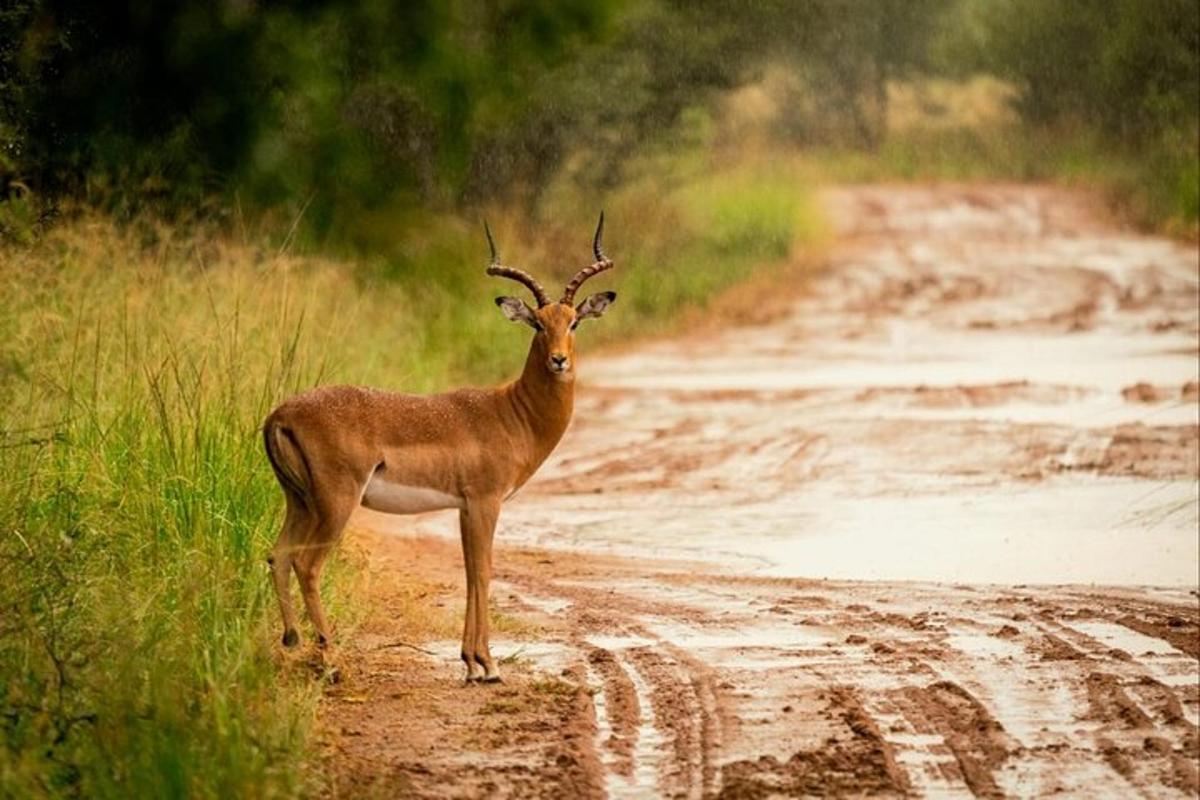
{"x":287,"y":459}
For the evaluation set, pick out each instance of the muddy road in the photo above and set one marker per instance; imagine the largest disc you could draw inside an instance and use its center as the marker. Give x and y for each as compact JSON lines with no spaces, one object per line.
{"x":930,"y":533}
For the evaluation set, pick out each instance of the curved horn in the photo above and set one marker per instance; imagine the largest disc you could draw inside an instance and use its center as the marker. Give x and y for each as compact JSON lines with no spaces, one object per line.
{"x":487,"y":229}
{"x":596,"y":239}
{"x":603,"y":263}
{"x":518,"y":275}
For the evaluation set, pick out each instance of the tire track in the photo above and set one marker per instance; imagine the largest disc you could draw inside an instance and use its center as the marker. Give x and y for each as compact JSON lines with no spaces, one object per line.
{"x":924,"y":758}
{"x":709,"y":716}
{"x":978,"y":742}
{"x":714,"y":686}
{"x":677,"y":712}
{"x":856,"y":759}
{"x":659,"y":715}
{"x":1132,"y":743}
{"x":621,"y":710}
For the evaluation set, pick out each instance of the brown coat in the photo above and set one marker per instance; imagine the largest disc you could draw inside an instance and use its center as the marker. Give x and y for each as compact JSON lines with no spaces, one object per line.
{"x":337,"y":447}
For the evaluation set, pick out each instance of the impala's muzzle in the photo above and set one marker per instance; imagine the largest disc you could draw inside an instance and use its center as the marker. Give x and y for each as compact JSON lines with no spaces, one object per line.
{"x":559,"y":363}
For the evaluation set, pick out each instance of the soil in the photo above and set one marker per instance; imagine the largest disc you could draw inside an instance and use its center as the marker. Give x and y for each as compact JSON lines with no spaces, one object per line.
{"x":933,"y":533}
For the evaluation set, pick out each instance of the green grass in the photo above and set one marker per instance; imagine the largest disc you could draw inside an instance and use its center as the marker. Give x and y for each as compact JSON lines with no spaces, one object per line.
{"x":137,"y":624}
{"x":135,"y":656}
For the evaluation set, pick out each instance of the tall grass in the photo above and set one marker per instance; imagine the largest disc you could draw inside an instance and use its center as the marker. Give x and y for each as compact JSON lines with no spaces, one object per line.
{"x":137,"y":627}
{"x":134,"y":652}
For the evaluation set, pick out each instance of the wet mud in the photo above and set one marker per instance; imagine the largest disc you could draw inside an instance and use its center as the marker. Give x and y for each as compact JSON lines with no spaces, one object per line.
{"x":931,"y":534}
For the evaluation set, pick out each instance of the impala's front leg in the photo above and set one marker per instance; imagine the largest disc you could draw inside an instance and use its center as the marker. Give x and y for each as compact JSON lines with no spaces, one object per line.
{"x":468,"y":637}
{"x":478,"y":524}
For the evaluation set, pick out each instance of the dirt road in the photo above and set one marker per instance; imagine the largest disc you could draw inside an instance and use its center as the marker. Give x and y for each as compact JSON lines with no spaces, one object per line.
{"x":932,"y":533}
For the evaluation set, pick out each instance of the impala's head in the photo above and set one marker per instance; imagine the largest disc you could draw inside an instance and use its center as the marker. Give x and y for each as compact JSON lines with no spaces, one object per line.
{"x":555,"y":322}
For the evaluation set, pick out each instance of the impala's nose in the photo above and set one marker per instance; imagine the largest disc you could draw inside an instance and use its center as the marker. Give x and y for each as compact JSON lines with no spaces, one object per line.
{"x":558,"y":362}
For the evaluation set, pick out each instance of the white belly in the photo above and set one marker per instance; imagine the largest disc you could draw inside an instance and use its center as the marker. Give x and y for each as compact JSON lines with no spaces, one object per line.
{"x":399,"y":498}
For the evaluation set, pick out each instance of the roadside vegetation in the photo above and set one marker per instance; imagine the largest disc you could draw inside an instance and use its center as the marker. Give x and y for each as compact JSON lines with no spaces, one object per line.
{"x":207,"y":207}
{"x":138,"y":637}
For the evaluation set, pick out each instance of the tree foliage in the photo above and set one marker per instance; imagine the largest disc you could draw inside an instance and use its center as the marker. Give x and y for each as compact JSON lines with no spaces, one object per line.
{"x":369,"y":101}
{"x":1129,"y":67}
{"x":282,"y":100}
{"x":367,"y":105}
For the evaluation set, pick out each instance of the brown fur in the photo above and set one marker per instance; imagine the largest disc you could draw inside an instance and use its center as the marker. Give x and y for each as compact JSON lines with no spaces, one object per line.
{"x":327,"y":444}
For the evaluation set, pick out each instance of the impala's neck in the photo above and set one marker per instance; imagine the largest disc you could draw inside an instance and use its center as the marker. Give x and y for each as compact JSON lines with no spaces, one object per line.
{"x":541,"y":401}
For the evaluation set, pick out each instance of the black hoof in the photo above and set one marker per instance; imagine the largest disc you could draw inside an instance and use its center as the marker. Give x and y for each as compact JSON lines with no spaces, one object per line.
{"x":322,"y":642}
{"x":290,"y":638}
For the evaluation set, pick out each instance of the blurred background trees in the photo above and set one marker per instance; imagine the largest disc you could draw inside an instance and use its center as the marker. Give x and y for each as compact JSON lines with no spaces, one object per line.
{"x":1127,"y":67}
{"x":360,"y":106}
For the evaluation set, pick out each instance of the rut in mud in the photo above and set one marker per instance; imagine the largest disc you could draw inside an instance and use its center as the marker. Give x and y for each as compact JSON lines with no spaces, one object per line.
{"x":987,"y":402}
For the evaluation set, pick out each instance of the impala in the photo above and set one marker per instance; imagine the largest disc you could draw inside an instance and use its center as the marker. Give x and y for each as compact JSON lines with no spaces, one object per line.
{"x":337,"y":447}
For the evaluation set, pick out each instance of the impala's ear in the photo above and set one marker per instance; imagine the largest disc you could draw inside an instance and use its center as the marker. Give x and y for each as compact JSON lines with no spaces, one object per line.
{"x":594,"y":306}
{"x":517,"y":311}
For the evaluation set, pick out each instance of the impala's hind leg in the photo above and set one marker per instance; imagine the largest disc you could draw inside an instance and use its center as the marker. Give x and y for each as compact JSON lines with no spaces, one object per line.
{"x":309,"y":558}
{"x":296,"y":523}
